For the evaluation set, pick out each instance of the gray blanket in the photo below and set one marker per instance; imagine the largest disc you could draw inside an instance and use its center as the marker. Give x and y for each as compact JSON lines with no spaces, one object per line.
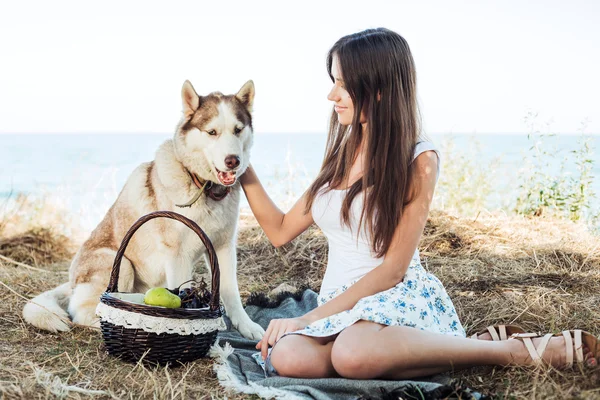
{"x":237,"y":370}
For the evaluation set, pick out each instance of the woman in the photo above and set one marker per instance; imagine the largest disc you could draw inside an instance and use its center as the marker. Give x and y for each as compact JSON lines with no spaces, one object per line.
{"x":379,"y":314}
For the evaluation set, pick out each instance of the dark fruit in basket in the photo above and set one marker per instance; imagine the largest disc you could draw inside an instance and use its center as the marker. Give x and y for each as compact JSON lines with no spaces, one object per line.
{"x":196,"y":297}
{"x":204,"y":297}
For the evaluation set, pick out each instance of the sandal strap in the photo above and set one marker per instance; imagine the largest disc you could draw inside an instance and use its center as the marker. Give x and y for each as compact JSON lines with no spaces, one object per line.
{"x":568,"y":348}
{"x":535,"y":353}
{"x":502,"y":329}
{"x":493,"y":333}
{"x":543,"y":344}
{"x":525,"y":335}
{"x":535,"y":357}
{"x":578,"y":345}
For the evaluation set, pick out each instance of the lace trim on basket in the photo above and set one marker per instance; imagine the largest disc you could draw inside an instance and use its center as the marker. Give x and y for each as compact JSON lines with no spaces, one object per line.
{"x":158,"y":325}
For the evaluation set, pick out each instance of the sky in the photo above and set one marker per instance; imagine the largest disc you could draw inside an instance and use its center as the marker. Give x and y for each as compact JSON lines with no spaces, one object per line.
{"x":118,"y":66}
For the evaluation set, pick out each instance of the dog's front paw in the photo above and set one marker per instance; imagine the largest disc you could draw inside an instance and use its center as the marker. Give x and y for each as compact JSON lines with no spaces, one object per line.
{"x":249,"y":329}
{"x":87,"y":321}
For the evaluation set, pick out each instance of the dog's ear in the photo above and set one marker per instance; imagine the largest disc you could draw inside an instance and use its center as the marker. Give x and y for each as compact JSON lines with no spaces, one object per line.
{"x":246,"y":95}
{"x":190,"y":99}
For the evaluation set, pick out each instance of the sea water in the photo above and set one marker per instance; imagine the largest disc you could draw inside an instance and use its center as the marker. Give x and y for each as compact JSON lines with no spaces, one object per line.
{"x":85,"y":172}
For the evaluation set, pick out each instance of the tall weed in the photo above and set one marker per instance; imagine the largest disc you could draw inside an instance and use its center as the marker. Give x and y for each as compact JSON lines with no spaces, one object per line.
{"x":544,"y":190}
{"x":467,"y":180}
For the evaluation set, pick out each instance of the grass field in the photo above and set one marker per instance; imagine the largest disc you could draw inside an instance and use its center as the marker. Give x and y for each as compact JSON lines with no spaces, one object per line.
{"x":541,"y":273}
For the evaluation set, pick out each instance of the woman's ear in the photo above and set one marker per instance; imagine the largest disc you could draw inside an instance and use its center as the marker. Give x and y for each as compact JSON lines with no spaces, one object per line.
{"x":378,"y":95}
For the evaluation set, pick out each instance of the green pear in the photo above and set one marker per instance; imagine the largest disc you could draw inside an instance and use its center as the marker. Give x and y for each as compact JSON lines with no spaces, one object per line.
{"x":162,"y":297}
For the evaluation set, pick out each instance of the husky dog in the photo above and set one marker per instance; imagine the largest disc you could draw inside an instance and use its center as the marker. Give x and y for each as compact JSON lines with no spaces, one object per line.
{"x":210,"y":149}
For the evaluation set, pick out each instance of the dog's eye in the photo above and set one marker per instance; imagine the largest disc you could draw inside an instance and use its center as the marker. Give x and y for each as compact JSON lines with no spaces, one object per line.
{"x":237,"y":130}
{"x":212,"y":132}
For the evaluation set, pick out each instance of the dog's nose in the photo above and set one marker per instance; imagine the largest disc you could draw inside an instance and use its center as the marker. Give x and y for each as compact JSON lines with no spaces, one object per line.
{"x":232,"y":161}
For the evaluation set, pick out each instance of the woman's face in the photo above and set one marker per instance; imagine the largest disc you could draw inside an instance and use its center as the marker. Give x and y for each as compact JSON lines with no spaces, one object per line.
{"x":340,"y":97}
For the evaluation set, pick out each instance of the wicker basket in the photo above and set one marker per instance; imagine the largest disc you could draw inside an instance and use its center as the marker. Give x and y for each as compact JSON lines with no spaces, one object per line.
{"x":159,"y":335}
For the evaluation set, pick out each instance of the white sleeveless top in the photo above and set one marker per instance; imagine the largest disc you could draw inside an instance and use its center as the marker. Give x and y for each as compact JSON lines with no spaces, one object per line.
{"x":349,"y":259}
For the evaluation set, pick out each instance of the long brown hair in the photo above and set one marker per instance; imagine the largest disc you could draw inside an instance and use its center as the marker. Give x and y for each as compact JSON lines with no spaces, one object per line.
{"x":374,"y":62}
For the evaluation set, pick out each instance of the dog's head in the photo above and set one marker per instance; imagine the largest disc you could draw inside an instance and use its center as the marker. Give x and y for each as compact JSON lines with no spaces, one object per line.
{"x":214,"y":137}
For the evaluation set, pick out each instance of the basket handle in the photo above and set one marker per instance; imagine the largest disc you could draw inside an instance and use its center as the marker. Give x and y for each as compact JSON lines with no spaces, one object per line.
{"x":214,"y":262}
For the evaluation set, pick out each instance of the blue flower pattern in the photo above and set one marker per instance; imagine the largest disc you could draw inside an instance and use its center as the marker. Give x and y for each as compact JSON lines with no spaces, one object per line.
{"x":419,"y":301}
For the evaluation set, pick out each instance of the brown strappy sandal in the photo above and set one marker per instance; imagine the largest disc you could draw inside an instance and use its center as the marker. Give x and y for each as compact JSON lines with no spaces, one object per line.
{"x":576,"y":337}
{"x":499,"y":332}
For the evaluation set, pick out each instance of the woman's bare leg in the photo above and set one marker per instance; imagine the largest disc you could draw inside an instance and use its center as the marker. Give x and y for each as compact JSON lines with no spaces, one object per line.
{"x":368,"y":350}
{"x":299,"y":356}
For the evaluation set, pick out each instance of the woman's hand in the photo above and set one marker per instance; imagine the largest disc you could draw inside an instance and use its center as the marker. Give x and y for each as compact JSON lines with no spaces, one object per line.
{"x":277,"y":328}
{"x":247,"y":176}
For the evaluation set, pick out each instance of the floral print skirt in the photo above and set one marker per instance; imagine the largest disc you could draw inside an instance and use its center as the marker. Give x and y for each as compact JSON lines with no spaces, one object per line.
{"x":419,"y":301}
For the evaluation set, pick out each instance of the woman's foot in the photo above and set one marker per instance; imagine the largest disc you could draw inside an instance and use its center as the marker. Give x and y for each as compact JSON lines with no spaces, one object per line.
{"x":555,"y":352}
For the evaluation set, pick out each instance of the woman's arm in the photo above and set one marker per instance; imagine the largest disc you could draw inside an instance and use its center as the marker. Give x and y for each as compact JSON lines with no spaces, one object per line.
{"x":279,"y":227}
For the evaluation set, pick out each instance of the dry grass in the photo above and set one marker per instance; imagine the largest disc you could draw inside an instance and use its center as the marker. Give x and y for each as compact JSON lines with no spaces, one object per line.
{"x":39,"y":246}
{"x":542,"y":274}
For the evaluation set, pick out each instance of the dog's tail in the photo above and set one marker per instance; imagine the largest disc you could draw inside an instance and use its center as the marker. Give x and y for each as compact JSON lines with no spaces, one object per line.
{"x":48,"y":310}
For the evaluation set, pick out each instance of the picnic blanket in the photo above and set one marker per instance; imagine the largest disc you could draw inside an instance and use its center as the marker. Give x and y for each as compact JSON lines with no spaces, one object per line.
{"x":238,"y":371}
